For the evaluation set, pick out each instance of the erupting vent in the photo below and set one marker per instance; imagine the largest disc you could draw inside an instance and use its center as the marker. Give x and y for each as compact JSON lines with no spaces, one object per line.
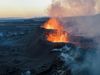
{"x":58,"y":35}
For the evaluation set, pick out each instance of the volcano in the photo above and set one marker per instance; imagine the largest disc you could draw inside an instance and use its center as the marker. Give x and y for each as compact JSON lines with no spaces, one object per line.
{"x":39,"y":46}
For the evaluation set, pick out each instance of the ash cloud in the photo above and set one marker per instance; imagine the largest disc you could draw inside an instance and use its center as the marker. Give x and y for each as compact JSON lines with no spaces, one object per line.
{"x":61,"y":8}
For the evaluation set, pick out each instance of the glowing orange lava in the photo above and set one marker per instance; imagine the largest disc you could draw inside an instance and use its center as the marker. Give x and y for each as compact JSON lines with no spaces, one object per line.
{"x":52,"y":24}
{"x":58,"y":35}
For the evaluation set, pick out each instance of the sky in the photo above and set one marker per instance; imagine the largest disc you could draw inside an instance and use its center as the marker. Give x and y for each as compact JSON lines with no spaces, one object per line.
{"x":29,"y":8}
{"x":23,"y":8}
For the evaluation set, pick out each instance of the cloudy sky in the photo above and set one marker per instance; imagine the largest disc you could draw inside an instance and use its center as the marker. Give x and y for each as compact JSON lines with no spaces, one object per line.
{"x":31,"y":8}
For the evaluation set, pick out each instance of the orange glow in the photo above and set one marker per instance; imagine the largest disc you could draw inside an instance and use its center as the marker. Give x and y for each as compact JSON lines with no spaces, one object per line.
{"x":52,"y":24}
{"x":58,"y":35}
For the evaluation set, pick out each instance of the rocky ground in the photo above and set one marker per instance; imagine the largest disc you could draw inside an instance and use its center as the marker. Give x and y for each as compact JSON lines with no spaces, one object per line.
{"x":23,"y":50}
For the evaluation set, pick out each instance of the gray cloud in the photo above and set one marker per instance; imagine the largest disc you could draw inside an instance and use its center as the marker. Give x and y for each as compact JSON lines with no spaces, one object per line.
{"x":72,"y":7}
{"x":89,"y":27}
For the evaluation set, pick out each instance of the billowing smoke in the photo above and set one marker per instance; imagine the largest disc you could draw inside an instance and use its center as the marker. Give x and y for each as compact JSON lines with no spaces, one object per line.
{"x":72,"y":8}
{"x":86,"y":26}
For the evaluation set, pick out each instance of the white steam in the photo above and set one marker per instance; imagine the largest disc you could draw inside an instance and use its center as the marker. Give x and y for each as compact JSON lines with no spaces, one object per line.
{"x":89,"y":27}
{"x":63,"y":8}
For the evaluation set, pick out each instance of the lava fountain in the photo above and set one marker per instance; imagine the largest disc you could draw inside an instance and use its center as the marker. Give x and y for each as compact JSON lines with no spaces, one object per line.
{"x":58,"y":35}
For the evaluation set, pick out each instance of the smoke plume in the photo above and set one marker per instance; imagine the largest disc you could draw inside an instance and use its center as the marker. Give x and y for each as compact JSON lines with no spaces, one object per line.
{"x":88,"y":27}
{"x":63,"y":8}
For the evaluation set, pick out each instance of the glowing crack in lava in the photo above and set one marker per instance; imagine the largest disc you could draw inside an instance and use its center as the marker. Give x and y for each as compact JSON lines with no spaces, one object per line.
{"x":58,"y":35}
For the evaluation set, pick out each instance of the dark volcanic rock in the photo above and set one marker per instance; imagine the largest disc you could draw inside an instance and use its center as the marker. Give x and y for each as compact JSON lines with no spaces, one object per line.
{"x":21,"y":48}
{"x":24,"y":49}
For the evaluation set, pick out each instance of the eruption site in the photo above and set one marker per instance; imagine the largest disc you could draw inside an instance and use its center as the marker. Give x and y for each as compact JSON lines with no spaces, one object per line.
{"x":58,"y":34}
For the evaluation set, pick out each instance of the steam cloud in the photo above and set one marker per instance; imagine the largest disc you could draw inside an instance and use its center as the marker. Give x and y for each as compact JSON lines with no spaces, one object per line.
{"x":72,"y":8}
{"x":87,"y":26}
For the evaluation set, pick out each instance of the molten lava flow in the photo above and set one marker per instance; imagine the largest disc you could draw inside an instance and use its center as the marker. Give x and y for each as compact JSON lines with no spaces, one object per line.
{"x":58,"y":35}
{"x":52,"y":24}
